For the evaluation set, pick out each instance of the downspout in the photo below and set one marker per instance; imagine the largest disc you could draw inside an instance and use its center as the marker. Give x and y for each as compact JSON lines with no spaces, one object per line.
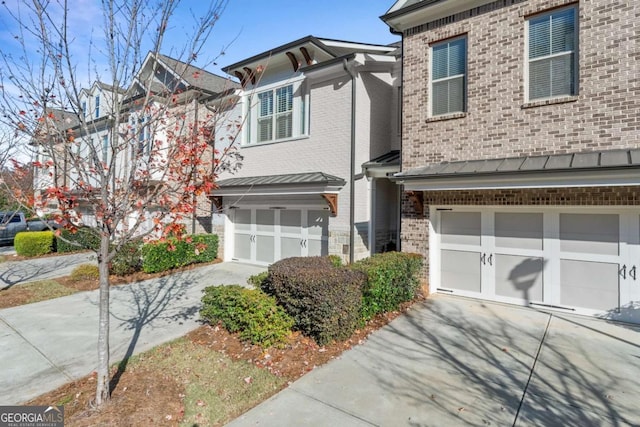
{"x":352,"y":184}
{"x":195,"y":198}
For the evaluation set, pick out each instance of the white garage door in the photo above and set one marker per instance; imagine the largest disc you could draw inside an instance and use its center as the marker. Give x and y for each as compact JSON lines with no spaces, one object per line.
{"x":580,"y":260}
{"x":264,"y":236}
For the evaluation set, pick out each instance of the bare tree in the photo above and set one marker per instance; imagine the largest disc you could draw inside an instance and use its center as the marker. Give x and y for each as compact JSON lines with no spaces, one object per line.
{"x":136,"y":158}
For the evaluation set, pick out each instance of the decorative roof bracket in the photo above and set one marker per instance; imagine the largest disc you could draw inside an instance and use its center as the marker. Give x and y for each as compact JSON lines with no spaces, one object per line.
{"x":294,"y":61}
{"x":332,"y":201}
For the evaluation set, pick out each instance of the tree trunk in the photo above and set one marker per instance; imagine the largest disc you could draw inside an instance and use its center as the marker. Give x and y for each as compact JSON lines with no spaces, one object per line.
{"x":102,"y":390}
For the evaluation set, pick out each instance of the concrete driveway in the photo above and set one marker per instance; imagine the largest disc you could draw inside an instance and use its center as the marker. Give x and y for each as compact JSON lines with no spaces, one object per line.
{"x":456,"y":361}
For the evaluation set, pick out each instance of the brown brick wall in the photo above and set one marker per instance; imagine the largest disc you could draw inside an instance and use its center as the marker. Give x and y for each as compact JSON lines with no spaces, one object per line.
{"x":498,"y":122}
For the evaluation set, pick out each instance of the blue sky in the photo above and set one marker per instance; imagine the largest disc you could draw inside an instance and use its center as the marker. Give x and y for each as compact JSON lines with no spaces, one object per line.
{"x":260,"y":25}
{"x":246,"y":28}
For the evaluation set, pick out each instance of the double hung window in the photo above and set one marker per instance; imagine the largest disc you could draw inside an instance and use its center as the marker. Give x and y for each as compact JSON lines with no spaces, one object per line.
{"x":448,"y":76}
{"x":552,"y":54}
{"x":276,"y":114}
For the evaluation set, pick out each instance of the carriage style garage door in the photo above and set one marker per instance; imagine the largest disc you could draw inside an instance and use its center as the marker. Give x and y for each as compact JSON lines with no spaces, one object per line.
{"x":582,"y":260}
{"x":264,"y":236}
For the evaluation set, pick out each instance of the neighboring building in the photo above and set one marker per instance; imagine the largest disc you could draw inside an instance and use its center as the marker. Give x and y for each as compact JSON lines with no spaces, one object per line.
{"x":167,"y":96}
{"x":521,"y":150}
{"x":320,"y":134}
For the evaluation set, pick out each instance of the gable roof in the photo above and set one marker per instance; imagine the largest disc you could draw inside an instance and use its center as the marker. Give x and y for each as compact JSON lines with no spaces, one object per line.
{"x":197,"y":77}
{"x":305,"y":52}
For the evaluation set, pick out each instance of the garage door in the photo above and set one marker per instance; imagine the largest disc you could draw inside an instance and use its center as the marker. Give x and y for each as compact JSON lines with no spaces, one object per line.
{"x":264,"y":236}
{"x":581,"y":261}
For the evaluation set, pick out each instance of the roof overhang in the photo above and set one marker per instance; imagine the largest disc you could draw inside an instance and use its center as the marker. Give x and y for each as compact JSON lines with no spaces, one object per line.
{"x":287,"y":184}
{"x":515,"y":180}
{"x":383,"y":166}
{"x":413,"y":14}
{"x":595,"y":169}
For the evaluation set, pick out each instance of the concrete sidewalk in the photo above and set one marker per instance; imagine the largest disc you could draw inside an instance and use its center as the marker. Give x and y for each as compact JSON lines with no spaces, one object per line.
{"x":454,"y":361}
{"x":47,"y":344}
{"x":14,"y":273}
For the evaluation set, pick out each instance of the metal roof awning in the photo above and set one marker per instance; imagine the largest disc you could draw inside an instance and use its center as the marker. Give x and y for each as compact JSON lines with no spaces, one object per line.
{"x":591,"y":169}
{"x":298,"y":183}
{"x":384,"y":165}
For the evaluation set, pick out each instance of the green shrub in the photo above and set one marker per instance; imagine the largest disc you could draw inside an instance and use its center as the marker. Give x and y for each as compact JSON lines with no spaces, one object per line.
{"x":257,"y":279}
{"x":84,"y":237}
{"x":324,"y":301}
{"x":392,"y":278}
{"x":34,"y":243}
{"x":85,"y":272}
{"x":128,"y":259}
{"x":250,"y":312}
{"x":336,"y":261}
{"x":174,"y":253}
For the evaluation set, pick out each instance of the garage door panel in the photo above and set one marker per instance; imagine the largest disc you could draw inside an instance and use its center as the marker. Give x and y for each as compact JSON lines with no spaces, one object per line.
{"x":290,"y":221}
{"x":460,"y":270}
{"x":265,"y":220}
{"x":590,"y":233}
{"x":318,"y":247}
{"x":591,"y":285}
{"x":461,"y":228}
{"x":242,"y":219}
{"x":265,"y":249}
{"x":290,"y":247}
{"x":318,"y":223}
{"x":242,"y":246}
{"x":519,"y":277}
{"x":519,"y":230}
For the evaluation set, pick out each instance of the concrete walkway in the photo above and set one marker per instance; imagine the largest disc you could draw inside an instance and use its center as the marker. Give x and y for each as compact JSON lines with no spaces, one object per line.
{"x":453,"y":361}
{"x":47,"y":344}
{"x":14,"y":273}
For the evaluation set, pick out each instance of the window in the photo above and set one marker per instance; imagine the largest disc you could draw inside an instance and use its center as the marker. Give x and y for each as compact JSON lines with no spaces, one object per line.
{"x":141,"y":135}
{"x":552,"y":54}
{"x":448,"y":76}
{"x":275,"y":115}
{"x":105,"y":148}
{"x":97,"y":106}
{"x":84,"y":108}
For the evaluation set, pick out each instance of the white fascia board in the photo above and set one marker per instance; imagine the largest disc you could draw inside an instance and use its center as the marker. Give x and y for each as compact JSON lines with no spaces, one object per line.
{"x":629,"y":177}
{"x":381,"y":171}
{"x":356,"y":46}
{"x":277,"y":190}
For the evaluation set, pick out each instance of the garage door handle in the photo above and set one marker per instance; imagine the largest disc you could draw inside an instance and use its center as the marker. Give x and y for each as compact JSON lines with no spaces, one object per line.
{"x":490,"y":259}
{"x":623,"y":271}
{"x":632,"y":273}
{"x":483,"y":259}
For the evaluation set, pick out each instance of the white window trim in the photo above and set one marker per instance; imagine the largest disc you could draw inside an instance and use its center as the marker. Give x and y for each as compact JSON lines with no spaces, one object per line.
{"x":300,"y":125}
{"x":432,"y":81}
{"x":576,"y":53}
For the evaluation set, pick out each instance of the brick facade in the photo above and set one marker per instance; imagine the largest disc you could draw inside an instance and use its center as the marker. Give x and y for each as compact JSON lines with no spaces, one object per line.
{"x":499,"y":122}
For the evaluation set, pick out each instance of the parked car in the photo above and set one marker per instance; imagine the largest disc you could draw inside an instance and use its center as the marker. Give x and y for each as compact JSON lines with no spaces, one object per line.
{"x":11,"y":223}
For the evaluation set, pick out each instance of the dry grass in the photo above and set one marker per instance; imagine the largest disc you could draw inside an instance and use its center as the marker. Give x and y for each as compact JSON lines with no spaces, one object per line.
{"x":33,"y":292}
{"x":179,"y":383}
